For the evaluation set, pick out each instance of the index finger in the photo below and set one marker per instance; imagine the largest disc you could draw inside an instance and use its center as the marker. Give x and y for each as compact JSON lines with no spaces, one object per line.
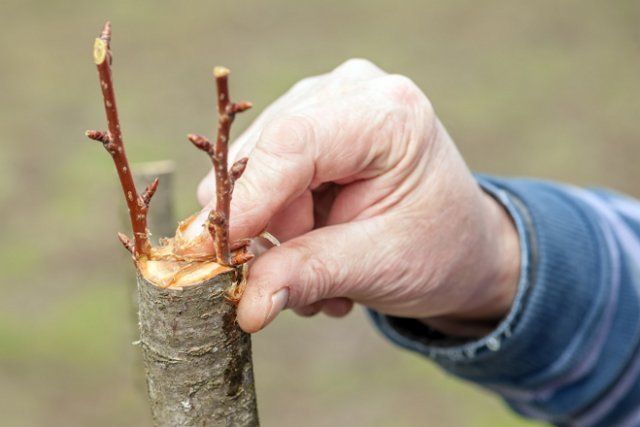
{"x":329,"y":142}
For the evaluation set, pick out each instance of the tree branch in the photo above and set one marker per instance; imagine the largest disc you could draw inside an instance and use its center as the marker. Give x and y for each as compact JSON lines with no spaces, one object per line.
{"x":126,"y":242}
{"x":149,"y":192}
{"x":201,"y":143}
{"x":219,"y":218}
{"x":112,"y":141}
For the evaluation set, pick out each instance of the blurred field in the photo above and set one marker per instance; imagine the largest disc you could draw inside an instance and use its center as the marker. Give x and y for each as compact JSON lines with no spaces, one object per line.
{"x":544,"y":88}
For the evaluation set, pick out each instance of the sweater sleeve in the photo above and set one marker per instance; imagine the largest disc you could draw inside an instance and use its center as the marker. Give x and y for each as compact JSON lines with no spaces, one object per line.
{"x":568,"y":351}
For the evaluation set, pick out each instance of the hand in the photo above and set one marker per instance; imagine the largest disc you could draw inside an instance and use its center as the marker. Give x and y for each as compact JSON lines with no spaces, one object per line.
{"x":357,"y":177}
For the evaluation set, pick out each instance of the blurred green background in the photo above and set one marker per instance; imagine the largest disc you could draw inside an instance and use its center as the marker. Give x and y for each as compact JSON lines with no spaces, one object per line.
{"x":545,"y":88}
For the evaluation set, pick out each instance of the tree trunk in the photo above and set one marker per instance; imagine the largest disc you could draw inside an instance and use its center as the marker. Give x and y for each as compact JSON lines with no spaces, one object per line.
{"x":162,"y":221}
{"x":197,"y":359}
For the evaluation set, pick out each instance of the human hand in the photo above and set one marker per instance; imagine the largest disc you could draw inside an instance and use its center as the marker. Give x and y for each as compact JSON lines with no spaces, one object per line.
{"x":357,"y":177}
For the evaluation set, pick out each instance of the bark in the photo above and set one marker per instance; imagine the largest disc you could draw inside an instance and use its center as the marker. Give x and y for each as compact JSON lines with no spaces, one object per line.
{"x":137,"y":205}
{"x":161,"y":219}
{"x":197,"y":359}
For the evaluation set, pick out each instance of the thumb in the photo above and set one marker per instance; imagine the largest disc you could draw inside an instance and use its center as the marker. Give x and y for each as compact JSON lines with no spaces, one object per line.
{"x":326,"y":263}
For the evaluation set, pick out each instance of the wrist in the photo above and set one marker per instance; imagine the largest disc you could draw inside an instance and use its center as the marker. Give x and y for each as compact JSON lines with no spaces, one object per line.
{"x":491,"y":277}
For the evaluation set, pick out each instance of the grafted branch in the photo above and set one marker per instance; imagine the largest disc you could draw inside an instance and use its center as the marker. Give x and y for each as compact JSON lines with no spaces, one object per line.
{"x":218,"y":152}
{"x":138,"y":205}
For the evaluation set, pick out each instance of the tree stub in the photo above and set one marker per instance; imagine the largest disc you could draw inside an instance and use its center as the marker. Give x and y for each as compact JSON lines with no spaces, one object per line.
{"x":197,"y":359}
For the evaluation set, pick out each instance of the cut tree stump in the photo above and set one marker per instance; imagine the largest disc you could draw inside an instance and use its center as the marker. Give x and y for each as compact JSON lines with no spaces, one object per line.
{"x":162,"y":220}
{"x":197,"y":359}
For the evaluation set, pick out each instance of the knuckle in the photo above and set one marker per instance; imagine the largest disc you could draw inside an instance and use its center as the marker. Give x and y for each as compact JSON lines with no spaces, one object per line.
{"x":287,"y":137}
{"x":315,"y":277}
{"x":304,"y":84}
{"x":316,"y":274}
{"x":356,"y":64}
{"x":309,"y":310}
{"x":266,"y":167}
{"x":403,"y":90}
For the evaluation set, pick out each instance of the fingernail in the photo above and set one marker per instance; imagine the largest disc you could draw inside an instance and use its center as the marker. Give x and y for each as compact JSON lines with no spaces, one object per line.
{"x":278,"y":303}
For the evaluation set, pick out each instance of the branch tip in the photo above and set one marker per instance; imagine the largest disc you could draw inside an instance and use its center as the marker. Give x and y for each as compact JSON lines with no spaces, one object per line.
{"x":219,"y":72}
{"x":237,"y":169}
{"x":200,"y":142}
{"x":239,"y":107}
{"x":106,"y":32}
{"x":98,"y":135}
{"x":126,"y":242}
{"x":241,"y":257}
{"x":150,"y":191}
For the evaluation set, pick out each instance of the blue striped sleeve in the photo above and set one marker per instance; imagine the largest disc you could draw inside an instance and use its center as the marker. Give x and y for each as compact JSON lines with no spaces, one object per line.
{"x":568,"y":352}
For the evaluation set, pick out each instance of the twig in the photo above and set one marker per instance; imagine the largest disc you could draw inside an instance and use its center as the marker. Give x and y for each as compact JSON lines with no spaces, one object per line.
{"x":149,"y":192}
{"x":241,"y":257}
{"x":126,"y":242}
{"x":225,"y":178}
{"x":219,"y":229}
{"x":112,"y":140}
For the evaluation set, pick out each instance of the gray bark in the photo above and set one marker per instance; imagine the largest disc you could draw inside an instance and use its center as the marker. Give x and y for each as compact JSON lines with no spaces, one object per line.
{"x":197,"y":359}
{"x":162,"y":221}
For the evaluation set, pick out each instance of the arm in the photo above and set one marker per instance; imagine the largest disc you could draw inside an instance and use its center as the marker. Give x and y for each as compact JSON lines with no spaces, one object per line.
{"x":568,"y":350}
{"x":506,"y":283}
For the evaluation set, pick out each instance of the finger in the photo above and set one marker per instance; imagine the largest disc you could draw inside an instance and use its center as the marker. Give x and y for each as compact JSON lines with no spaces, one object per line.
{"x":337,"y":307}
{"x":330,"y":142}
{"x":323,"y":264}
{"x":207,"y":189}
{"x":294,"y":220}
{"x":299,"y":96}
{"x":309,"y":310}
{"x":355,"y":69}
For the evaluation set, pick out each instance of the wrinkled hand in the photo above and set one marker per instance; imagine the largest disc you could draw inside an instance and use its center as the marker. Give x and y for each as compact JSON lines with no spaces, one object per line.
{"x":357,"y":177}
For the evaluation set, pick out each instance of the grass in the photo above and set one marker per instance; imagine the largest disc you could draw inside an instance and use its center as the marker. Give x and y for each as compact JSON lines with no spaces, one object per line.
{"x":544,"y":88}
